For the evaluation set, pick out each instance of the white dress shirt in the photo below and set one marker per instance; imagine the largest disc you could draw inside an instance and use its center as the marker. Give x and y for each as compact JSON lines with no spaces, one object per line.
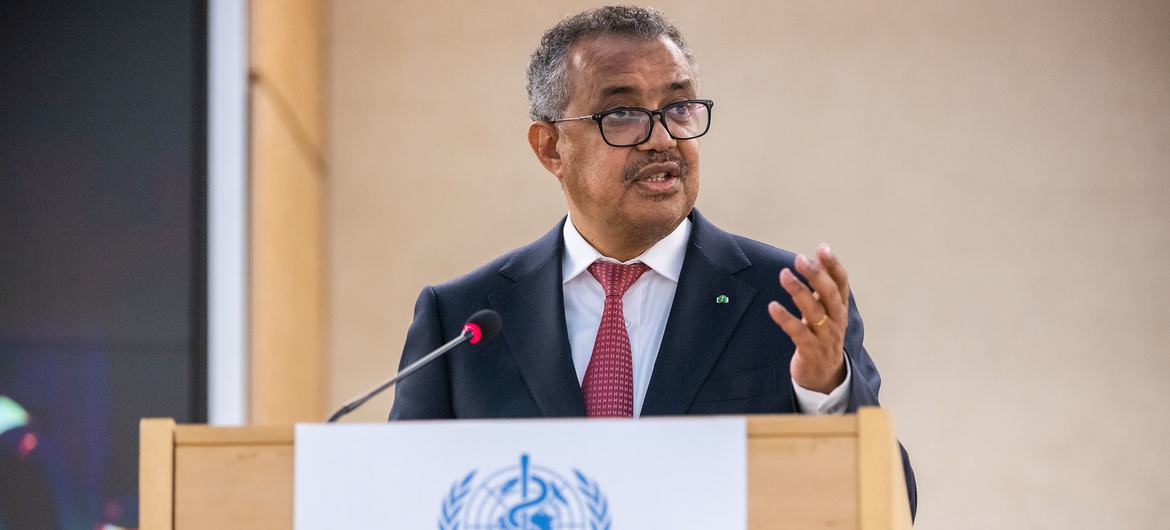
{"x":647,"y":306}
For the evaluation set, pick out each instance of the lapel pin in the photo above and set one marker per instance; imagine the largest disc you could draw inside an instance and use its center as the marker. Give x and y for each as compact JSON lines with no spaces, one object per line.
{"x":722,"y":299}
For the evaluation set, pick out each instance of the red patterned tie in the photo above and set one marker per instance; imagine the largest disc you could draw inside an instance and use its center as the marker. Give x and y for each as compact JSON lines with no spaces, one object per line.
{"x":609,"y":380}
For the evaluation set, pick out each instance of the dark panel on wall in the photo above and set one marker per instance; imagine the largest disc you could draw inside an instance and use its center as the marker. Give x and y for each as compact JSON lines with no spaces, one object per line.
{"x":102,"y":248}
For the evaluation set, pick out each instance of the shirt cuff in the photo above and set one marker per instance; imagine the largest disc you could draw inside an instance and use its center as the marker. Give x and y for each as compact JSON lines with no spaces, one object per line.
{"x":818,"y":404}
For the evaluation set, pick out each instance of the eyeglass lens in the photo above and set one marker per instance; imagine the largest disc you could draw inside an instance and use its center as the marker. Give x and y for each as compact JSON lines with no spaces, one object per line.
{"x":684,"y":120}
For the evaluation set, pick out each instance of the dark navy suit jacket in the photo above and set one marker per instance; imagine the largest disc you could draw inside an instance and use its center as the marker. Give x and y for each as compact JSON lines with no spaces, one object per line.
{"x":715,"y":358}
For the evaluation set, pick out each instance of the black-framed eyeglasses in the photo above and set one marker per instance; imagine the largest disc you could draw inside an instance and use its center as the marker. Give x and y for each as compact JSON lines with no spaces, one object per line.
{"x":630,"y":126}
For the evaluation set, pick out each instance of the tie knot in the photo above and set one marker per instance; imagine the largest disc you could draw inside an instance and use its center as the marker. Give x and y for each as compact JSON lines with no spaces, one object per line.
{"x":616,"y":278}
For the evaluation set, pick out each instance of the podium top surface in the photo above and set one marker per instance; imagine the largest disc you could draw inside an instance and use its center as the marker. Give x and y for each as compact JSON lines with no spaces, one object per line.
{"x":762,"y":425}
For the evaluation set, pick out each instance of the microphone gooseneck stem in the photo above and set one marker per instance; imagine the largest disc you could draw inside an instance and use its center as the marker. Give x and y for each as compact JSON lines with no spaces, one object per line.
{"x":357,"y":402}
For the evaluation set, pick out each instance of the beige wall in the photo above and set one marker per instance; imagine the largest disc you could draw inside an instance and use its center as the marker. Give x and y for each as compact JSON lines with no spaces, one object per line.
{"x":995,"y":174}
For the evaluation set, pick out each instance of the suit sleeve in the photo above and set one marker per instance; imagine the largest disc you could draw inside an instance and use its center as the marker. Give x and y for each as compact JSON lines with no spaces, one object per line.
{"x":426,"y":394}
{"x":863,"y":390}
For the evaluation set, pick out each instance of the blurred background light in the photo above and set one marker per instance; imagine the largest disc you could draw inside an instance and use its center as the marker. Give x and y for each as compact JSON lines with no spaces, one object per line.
{"x":27,"y":443}
{"x":12,"y":415}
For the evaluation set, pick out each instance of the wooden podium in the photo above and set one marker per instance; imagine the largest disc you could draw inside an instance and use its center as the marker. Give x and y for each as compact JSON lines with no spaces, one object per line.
{"x":804,"y":472}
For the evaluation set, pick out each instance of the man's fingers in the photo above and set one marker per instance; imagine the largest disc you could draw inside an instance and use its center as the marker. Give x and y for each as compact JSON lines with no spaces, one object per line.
{"x":825,"y":286}
{"x":836,"y":270}
{"x":810,"y":308}
{"x":796,"y":330}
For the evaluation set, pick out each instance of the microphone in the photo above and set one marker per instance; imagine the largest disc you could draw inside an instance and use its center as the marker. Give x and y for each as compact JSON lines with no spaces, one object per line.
{"x":483,"y":325}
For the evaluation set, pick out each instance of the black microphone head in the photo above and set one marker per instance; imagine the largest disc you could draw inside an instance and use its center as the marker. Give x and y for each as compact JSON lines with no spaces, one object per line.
{"x":486,"y":322}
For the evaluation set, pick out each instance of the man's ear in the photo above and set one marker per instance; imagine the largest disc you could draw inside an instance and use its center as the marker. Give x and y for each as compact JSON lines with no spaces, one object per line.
{"x":542,"y":137}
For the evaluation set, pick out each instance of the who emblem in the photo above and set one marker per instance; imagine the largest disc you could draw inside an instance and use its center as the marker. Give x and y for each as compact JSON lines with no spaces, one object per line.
{"x":525,"y":497}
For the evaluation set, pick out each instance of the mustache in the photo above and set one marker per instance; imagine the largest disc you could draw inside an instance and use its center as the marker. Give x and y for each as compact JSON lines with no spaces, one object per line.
{"x":657,"y":157}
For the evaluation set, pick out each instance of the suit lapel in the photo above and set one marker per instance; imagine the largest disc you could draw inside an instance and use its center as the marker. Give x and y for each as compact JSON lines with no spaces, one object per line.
{"x":533,"y":311}
{"x":699,"y":326}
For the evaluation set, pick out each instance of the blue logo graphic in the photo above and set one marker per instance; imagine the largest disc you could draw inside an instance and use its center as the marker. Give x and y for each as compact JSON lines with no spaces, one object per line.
{"x":525,"y":497}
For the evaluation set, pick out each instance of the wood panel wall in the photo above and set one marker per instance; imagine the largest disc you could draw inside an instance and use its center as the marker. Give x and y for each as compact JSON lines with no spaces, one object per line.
{"x":288,"y":298}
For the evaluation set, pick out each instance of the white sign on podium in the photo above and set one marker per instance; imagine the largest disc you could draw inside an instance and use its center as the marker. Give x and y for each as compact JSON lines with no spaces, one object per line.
{"x":523,"y":475}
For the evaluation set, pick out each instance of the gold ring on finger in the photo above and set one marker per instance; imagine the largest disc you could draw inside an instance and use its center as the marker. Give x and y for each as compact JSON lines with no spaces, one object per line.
{"x":821,"y":322}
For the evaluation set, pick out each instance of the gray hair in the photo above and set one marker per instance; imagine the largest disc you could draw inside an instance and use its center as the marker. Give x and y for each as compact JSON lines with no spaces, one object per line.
{"x":548,"y":90}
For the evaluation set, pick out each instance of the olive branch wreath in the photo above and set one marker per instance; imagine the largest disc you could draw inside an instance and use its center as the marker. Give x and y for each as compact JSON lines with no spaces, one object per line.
{"x":453,"y":503}
{"x":597,"y":504}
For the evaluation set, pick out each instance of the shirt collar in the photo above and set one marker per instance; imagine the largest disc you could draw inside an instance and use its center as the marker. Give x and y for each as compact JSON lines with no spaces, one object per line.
{"x":664,"y":258}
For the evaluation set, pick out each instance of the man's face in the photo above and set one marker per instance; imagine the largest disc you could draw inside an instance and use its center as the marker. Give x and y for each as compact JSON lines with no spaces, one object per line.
{"x":641,"y":192}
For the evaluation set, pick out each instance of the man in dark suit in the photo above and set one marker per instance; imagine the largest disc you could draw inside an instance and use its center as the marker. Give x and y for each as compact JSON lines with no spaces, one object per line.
{"x":635,"y":304}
